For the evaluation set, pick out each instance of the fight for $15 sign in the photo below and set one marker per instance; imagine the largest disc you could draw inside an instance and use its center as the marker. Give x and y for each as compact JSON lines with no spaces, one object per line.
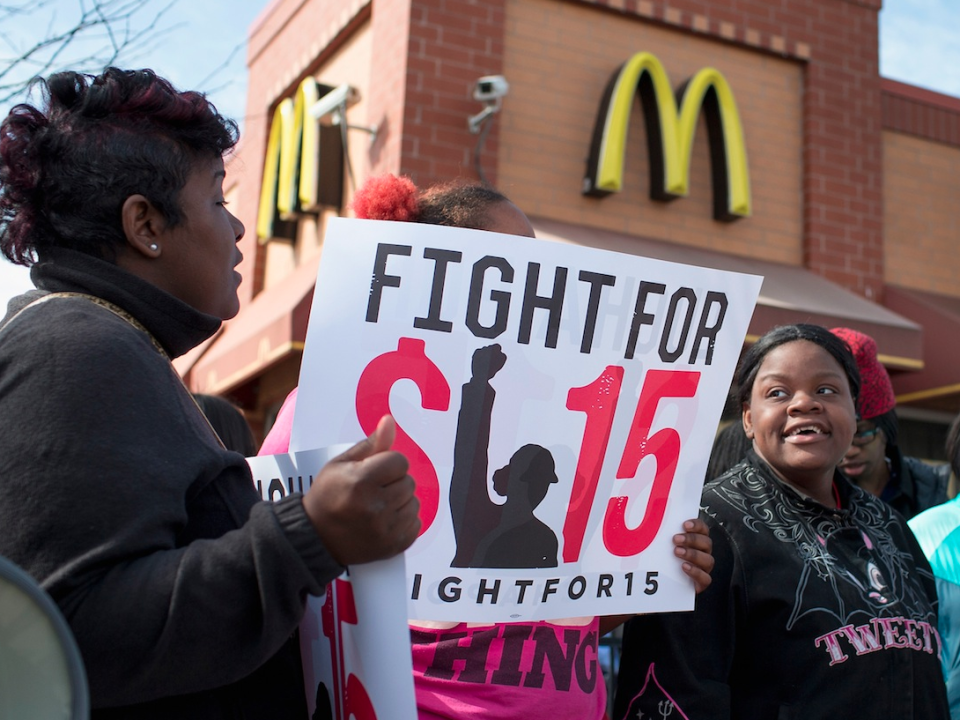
{"x":557,"y":404}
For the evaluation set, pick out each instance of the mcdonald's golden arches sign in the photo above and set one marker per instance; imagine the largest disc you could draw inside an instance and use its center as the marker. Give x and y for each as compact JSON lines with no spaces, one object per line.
{"x":670,"y":132}
{"x":303,"y":167}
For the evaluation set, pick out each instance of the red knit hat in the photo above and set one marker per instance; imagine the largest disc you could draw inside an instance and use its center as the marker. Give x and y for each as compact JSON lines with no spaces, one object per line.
{"x":876,"y":392}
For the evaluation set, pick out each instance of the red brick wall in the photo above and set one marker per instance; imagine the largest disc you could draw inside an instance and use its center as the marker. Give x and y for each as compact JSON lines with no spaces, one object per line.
{"x":843,"y":165}
{"x":429,"y":53}
{"x":289,"y":40}
{"x":915,"y":111}
{"x":452,"y":43}
{"x":559,"y":57}
{"x":921,"y":186}
{"x":390,"y":83}
{"x":921,"y":227}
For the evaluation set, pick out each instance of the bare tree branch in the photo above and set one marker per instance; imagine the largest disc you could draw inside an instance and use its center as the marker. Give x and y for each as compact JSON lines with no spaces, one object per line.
{"x":104,"y":31}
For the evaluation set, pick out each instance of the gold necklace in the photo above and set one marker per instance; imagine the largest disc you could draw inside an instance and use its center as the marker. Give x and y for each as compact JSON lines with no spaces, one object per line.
{"x":132,"y":321}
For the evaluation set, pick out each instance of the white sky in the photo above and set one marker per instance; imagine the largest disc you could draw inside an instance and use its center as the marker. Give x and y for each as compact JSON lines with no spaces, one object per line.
{"x":203,"y":48}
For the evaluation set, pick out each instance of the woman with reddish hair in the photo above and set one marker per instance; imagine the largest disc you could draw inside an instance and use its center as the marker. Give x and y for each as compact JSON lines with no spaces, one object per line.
{"x":388,"y":197}
{"x":182,"y":588}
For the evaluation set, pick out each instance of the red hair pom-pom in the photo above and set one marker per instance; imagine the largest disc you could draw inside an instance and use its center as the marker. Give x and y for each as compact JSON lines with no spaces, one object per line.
{"x":387,"y":197}
{"x":876,"y":390}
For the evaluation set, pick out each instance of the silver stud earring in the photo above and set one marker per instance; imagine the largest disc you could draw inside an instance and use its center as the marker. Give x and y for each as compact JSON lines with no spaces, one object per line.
{"x":154,"y":247}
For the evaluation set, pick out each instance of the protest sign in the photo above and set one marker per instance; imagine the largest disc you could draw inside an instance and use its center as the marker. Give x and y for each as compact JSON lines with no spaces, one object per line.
{"x":557,"y":404}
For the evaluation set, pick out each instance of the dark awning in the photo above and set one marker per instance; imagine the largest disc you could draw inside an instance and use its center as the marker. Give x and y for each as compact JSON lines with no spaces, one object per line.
{"x":938,"y":386}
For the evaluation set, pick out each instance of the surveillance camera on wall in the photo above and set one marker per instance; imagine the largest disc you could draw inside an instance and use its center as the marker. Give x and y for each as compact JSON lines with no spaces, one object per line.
{"x":491,"y":89}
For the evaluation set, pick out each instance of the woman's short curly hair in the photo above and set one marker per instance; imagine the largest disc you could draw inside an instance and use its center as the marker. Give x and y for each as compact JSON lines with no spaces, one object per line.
{"x":66,"y":169}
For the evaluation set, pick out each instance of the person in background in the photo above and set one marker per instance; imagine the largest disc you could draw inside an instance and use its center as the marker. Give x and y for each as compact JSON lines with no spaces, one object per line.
{"x":874,"y":461}
{"x":952,"y":446}
{"x":938,"y":532}
{"x":388,"y":197}
{"x":183,"y":590}
{"x":477,"y":670}
{"x":822,"y":604}
{"x":229,"y":423}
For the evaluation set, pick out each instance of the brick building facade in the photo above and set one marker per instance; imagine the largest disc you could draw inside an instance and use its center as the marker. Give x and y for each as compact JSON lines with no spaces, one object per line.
{"x":853,"y":177}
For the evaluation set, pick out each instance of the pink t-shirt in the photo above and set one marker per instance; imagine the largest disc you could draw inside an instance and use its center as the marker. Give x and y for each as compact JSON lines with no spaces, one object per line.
{"x":277,"y":441}
{"x":508,"y":670}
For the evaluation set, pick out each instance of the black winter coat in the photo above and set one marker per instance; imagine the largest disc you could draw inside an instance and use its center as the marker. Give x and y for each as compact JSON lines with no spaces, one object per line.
{"x":183,"y":590}
{"x":813,"y":613}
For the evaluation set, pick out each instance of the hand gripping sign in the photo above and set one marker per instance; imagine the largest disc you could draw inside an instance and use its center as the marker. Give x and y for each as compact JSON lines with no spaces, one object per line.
{"x":354,"y":640}
{"x":557,"y":404}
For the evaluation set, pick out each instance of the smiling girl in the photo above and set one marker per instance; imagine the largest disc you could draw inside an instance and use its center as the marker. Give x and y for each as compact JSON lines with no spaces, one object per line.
{"x":822,"y":604}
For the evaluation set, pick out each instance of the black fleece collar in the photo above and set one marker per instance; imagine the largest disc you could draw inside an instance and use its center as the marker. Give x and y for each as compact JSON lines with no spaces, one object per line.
{"x":845,"y":488}
{"x":177,"y":326}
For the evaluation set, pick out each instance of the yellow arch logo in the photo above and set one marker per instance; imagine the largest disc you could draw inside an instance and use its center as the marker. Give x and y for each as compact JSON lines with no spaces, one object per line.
{"x":670,"y":135}
{"x":289,"y":173}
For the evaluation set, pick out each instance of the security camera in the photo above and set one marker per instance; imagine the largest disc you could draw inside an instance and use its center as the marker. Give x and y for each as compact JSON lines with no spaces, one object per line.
{"x":491,"y":88}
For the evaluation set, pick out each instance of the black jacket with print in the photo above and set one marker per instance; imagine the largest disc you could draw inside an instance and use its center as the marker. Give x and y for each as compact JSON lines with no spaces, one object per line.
{"x":183,"y":590}
{"x":812,"y":613}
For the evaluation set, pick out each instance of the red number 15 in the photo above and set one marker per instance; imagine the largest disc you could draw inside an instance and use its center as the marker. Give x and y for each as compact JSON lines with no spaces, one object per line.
{"x":599,"y":401}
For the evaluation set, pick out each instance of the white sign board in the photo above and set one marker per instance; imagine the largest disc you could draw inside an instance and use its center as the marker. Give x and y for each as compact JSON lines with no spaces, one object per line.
{"x":557,"y":404}
{"x":354,"y":641}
